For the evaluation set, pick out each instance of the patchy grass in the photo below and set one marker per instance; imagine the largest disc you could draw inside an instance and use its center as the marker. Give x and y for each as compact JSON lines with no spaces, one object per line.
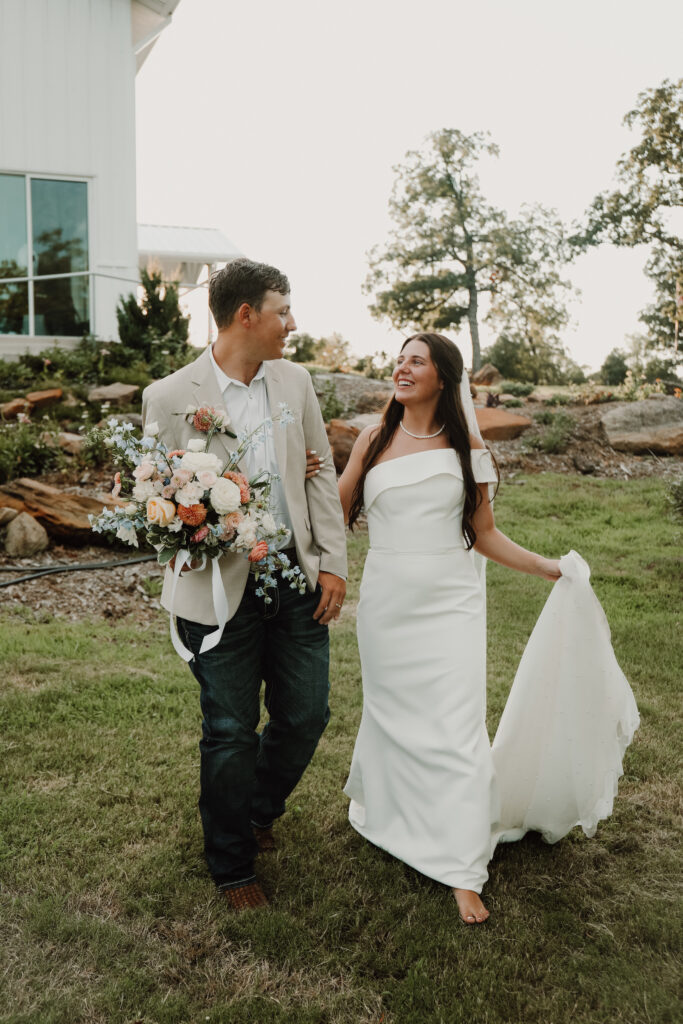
{"x":107,"y":915}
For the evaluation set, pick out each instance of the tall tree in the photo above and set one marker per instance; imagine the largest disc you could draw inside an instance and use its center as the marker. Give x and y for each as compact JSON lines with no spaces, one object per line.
{"x":641,"y":209}
{"x":449,"y":245}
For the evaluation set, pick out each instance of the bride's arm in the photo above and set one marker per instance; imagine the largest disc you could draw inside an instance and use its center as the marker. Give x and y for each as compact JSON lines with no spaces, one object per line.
{"x":351,"y":475}
{"x":493,"y":544}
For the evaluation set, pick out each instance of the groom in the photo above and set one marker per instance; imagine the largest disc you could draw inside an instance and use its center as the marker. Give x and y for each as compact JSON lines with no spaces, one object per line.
{"x":245,"y":777}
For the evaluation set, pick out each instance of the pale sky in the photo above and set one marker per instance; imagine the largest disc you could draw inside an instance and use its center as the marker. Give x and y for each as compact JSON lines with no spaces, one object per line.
{"x":279,"y":123}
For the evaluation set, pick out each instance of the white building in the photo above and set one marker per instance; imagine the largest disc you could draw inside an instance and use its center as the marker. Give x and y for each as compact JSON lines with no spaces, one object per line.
{"x":68,"y":232}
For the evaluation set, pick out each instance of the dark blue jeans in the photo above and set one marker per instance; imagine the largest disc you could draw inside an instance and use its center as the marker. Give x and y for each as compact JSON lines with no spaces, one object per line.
{"x":246,"y":776}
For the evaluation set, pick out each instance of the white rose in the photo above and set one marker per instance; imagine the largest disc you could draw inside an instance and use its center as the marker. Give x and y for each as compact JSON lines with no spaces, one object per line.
{"x":128,"y":535}
{"x":268,"y":523}
{"x":152,"y":429}
{"x":197,"y":461}
{"x":190,"y":494}
{"x":143,"y":490}
{"x":225,"y":496}
{"x":196,"y":445}
{"x":246,"y":533}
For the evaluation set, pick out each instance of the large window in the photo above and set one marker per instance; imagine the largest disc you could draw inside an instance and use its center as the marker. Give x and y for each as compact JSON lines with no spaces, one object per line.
{"x":44,"y":280}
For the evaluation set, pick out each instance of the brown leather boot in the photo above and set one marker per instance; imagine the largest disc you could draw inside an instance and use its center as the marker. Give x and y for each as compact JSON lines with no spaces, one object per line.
{"x":245,"y":897}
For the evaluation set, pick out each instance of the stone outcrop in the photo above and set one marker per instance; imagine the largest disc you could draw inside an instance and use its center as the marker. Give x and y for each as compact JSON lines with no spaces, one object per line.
{"x":72,"y":444}
{"x":653,"y":425}
{"x":342,"y":437}
{"x":117,"y":392}
{"x":41,"y":398}
{"x":64,"y":516}
{"x":25,"y":537}
{"x":10,"y":410}
{"x":488,"y":374}
{"x":501,"y":425}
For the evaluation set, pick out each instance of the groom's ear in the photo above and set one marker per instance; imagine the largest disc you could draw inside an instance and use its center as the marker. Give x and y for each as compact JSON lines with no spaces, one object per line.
{"x":244,"y":315}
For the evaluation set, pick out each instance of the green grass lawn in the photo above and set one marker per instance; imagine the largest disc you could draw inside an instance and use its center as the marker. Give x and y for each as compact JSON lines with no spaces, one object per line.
{"x":107,"y":913}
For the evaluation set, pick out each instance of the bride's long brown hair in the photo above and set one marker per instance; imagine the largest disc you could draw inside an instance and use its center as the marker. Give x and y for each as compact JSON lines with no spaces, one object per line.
{"x":450,"y":367}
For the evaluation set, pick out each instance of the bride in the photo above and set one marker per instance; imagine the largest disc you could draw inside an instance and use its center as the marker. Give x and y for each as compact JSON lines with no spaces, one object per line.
{"x":422,"y":782}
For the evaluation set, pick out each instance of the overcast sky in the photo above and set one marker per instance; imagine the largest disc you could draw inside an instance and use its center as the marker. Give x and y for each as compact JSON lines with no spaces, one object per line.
{"x":279,"y":123}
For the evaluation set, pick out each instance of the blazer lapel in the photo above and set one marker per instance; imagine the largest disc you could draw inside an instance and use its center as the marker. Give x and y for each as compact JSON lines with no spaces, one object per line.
{"x":276,"y":395}
{"x":207,"y":392}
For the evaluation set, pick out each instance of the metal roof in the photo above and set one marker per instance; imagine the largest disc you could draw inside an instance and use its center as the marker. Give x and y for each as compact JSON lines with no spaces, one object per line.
{"x":186,"y":245}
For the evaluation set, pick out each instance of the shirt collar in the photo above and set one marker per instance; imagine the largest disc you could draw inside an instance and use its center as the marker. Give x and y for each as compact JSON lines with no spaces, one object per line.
{"x":223,"y":379}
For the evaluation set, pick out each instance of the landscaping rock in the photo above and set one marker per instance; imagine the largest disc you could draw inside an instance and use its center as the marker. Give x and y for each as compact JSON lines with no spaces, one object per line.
{"x":342,"y":438}
{"x":653,"y":425}
{"x":488,"y":374}
{"x":117,"y":392}
{"x":41,"y":398}
{"x":10,"y":410}
{"x":7,"y":515}
{"x":134,"y":418}
{"x":368,"y":419}
{"x":25,"y":537}
{"x":64,"y":516}
{"x":72,"y":444}
{"x":500,"y":425}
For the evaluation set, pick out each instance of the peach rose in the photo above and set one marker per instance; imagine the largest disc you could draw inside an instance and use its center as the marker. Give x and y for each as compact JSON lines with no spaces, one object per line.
{"x":243,"y":484}
{"x":193,"y":515}
{"x":258,"y":552}
{"x":160,"y":511}
{"x":116,"y":489}
{"x":207,"y":478}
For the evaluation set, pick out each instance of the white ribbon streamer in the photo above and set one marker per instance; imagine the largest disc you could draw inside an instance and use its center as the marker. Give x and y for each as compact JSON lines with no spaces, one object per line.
{"x":220,"y":605}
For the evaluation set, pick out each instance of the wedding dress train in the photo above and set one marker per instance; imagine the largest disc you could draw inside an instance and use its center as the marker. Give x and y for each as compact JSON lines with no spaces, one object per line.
{"x":425,"y":783}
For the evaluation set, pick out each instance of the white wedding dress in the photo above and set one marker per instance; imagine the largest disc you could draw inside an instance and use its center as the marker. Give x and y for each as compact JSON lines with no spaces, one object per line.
{"x":425,"y":784}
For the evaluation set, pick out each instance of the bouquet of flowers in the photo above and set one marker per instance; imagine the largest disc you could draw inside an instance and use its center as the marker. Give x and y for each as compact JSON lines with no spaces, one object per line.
{"x":188,"y":505}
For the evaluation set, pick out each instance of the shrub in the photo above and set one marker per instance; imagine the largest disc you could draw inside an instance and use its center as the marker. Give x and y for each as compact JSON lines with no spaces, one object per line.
{"x":558,"y":399}
{"x":155,"y":326}
{"x":513,"y":403}
{"x":517,"y":388}
{"x":28,"y":448}
{"x":330,"y":406}
{"x":555,"y":439}
{"x":675,"y":496}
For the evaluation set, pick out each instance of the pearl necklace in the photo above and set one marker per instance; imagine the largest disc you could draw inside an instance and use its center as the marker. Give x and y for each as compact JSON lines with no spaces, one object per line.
{"x":421,"y":437}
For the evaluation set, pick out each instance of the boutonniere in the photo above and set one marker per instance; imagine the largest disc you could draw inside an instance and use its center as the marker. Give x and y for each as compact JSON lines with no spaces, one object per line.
{"x":208,"y":420}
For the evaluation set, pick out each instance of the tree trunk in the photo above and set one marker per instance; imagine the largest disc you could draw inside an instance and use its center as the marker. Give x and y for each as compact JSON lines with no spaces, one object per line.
{"x":474,"y":328}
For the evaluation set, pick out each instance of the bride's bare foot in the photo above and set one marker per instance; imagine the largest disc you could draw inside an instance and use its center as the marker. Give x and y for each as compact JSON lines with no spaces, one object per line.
{"x":472,"y":910}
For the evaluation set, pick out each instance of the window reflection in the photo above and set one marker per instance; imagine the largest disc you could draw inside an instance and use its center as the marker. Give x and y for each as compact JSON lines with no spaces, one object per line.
{"x":60,"y":246}
{"x":13,"y":254}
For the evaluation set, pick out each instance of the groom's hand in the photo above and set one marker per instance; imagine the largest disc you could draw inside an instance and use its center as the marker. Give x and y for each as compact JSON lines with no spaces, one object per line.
{"x":332,"y":597}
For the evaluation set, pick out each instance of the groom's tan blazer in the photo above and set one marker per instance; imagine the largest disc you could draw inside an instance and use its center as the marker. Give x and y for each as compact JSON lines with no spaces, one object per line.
{"x":314,"y":506}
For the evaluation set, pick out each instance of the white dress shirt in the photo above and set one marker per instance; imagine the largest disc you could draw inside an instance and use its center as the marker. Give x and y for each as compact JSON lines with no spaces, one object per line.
{"x":247,"y":406}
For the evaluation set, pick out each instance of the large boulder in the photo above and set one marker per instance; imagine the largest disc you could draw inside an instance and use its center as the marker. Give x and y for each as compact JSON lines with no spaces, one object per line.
{"x":25,"y":537}
{"x":342,"y":437}
{"x":64,"y":516}
{"x":653,"y":425}
{"x":41,"y":398}
{"x":500,"y":425}
{"x":118,"y":393}
{"x":488,"y":374}
{"x":70,"y":443}
{"x":10,"y":410}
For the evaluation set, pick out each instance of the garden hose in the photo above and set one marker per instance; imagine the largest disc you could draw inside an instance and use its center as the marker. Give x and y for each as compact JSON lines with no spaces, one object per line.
{"x":80,"y":567}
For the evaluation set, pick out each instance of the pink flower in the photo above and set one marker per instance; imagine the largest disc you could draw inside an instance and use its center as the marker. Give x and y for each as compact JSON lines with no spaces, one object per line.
{"x":258,"y":552}
{"x":207,"y":478}
{"x":203,"y":419}
{"x":243,"y":484}
{"x":200,"y":534}
{"x":181,"y":477}
{"x":143,"y":471}
{"x":176,"y":451}
{"x":116,"y":489}
{"x":168,"y":491}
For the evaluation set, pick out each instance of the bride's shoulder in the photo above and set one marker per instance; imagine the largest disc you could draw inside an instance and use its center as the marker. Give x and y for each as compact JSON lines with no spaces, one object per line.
{"x":476,"y":442}
{"x":367,"y":436}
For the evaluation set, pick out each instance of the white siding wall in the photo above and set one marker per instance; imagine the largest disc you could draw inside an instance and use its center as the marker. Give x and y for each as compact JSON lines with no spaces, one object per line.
{"x":67,"y":107}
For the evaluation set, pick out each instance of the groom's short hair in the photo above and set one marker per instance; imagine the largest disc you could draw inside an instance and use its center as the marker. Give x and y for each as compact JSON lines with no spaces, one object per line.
{"x":239,"y":281}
